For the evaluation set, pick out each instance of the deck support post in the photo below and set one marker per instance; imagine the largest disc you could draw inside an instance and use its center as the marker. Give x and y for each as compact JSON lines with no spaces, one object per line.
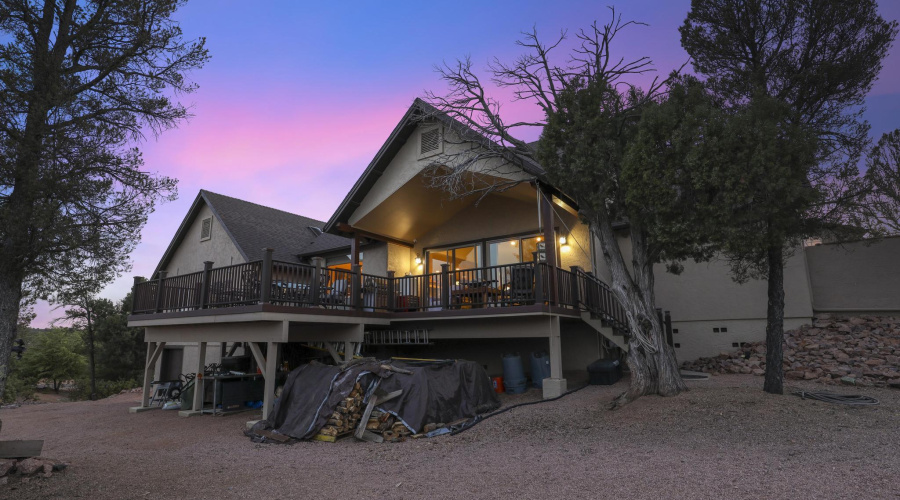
{"x":314,"y":287}
{"x":556,"y":384}
{"x":197,"y":404}
{"x":154,"y":350}
{"x":267,"y":365}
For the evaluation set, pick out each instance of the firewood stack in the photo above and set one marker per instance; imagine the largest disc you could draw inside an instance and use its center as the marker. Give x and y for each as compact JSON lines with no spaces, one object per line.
{"x":388,"y":426}
{"x":346,"y":417}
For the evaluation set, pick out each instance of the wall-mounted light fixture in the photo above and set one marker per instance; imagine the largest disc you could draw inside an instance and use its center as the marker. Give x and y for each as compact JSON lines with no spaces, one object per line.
{"x":562,"y":240}
{"x":418,"y":260}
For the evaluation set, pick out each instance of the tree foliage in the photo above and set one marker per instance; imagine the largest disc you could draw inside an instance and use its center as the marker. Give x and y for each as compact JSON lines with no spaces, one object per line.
{"x":883,"y":174}
{"x":81,"y":83}
{"x":53,"y":355}
{"x":591,"y":111}
{"x":794,"y":73}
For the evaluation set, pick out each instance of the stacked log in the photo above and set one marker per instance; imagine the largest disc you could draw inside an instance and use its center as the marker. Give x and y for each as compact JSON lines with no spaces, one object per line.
{"x":346,"y":416}
{"x":388,"y":426}
{"x":861,"y":350}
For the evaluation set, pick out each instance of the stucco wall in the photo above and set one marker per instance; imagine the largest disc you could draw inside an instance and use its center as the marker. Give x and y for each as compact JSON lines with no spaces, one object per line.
{"x":855,"y":277}
{"x":400,"y":259}
{"x":375,"y":259}
{"x":191,"y":253}
{"x":404,"y":166}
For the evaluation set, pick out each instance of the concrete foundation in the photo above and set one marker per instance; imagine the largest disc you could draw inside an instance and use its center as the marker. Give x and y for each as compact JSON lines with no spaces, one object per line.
{"x":554,"y":387}
{"x":189,"y":413}
{"x":139,"y":409}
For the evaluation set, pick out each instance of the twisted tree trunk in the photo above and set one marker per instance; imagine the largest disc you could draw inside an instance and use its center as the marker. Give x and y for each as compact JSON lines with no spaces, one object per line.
{"x":774,"y":383}
{"x":654,"y":369}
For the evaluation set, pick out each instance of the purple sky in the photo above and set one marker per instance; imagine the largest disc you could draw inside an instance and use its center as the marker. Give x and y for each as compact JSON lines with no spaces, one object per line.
{"x":299,"y":96}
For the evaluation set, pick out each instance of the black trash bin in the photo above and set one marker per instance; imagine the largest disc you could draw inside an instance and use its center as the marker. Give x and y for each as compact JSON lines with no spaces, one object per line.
{"x":604,"y":372}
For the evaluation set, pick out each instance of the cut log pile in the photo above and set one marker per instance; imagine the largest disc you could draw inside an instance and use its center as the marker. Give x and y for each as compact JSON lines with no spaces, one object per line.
{"x":388,"y":426}
{"x":862,"y":350}
{"x":345,"y":418}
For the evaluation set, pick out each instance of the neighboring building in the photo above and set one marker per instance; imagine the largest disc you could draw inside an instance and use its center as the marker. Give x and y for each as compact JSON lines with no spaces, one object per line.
{"x":426,"y":276}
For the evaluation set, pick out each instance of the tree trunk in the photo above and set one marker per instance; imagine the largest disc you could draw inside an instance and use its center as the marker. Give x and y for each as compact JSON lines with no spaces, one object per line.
{"x":774,"y":383}
{"x":10,"y":299}
{"x":90,"y":339}
{"x":654,"y":369}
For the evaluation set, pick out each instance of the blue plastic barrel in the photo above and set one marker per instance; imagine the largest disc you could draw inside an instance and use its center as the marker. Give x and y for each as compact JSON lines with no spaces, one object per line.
{"x":513,"y":375}
{"x":540,"y":368}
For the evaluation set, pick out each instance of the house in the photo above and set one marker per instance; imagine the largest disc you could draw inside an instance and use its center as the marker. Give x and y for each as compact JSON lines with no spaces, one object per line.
{"x":405,"y":269}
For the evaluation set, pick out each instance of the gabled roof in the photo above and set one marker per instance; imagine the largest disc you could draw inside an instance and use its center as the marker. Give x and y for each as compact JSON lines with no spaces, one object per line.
{"x":253,"y":227}
{"x":396,"y":140}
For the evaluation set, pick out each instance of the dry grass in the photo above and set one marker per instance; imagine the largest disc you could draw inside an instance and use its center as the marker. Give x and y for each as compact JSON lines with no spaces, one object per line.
{"x":723,"y":439}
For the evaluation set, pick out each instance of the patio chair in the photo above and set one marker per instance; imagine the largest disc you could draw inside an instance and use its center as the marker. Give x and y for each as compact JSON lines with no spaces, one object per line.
{"x":521,"y":285}
{"x":338,"y":293}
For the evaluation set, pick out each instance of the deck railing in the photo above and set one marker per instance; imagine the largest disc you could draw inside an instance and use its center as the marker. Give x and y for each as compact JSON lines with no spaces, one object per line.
{"x":304,"y":285}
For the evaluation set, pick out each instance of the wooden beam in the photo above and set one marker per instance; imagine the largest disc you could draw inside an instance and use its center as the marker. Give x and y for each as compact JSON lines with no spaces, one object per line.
{"x":334,"y":353}
{"x":154,"y":350}
{"x":257,"y":355}
{"x":347,"y":228}
{"x":555,"y":349}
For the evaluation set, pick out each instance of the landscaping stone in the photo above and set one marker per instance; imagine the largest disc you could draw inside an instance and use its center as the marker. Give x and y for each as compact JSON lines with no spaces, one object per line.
{"x":860,"y":350}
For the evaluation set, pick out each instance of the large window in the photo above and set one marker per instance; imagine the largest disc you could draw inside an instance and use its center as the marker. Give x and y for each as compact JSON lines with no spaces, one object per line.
{"x":512,"y":251}
{"x":459,"y":258}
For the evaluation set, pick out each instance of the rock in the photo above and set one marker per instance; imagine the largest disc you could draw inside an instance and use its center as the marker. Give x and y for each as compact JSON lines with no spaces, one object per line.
{"x":29,"y":466}
{"x":758,"y":371}
{"x":795,"y":374}
{"x":875,"y":362}
{"x":848,"y":380}
{"x":7,"y":466}
{"x":810,"y":376}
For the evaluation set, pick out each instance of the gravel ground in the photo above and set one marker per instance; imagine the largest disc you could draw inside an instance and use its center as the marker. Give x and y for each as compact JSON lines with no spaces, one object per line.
{"x":723,"y":439}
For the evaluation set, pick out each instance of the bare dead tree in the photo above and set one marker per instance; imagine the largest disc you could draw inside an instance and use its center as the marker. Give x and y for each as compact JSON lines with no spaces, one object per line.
{"x":485,"y":154}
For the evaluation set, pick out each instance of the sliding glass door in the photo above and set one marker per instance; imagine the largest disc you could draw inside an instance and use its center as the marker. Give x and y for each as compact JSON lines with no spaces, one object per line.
{"x":459,"y":258}
{"x":512,"y":251}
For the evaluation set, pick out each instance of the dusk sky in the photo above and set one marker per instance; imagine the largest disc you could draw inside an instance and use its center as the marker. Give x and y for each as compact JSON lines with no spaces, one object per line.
{"x":299,"y":96}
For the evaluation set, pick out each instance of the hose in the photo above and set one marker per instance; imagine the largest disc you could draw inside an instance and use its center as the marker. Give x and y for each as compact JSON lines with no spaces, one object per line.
{"x":481,"y":418}
{"x":839,"y":399}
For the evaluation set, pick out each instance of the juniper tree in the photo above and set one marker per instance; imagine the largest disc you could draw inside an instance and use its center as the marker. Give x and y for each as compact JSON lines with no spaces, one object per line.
{"x":811,"y":62}
{"x":81,"y":84}
{"x":883,"y":175}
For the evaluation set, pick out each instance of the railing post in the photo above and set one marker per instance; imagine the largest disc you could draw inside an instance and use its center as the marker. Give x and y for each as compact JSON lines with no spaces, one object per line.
{"x":265,"y":280}
{"x":316,"y":281}
{"x":159,"y":290}
{"x":538,"y":283}
{"x":445,"y":286}
{"x":391,"y":299}
{"x":576,"y":290}
{"x":204,"y":284}
{"x":137,"y":281}
{"x":356,"y":287}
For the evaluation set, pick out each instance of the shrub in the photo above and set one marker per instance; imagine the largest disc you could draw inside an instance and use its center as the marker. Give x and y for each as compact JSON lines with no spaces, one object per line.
{"x":105,"y":388}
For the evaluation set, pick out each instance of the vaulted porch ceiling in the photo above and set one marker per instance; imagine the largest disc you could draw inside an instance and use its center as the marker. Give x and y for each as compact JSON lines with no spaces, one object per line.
{"x":415,"y":209}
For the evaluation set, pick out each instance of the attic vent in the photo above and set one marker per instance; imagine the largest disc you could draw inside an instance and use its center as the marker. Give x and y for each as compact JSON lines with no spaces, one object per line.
{"x":206,"y":229}
{"x":430,"y":142}
{"x":315,"y":230}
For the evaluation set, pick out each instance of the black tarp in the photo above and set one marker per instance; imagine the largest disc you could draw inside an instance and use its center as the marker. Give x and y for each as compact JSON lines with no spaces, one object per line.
{"x":440,"y":392}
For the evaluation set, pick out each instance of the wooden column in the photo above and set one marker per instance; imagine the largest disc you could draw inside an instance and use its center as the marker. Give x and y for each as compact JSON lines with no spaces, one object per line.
{"x":354,"y":250}
{"x":445,"y":287}
{"x":576,"y":290}
{"x":356,"y":287}
{"x":204,"y":284}
{"x":201,"y":366}
{"x":391,"y":293}
{"x":153,"y":352}
{"x":265,"y":279}
{"x":159,"y":290}
{"x":550,"y":245}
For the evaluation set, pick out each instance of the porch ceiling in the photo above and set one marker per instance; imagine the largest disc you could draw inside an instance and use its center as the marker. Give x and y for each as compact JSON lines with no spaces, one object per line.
{"x":415,"y":209}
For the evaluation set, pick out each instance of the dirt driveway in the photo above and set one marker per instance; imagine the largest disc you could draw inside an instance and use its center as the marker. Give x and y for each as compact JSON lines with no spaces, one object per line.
{"x":723,"y":439}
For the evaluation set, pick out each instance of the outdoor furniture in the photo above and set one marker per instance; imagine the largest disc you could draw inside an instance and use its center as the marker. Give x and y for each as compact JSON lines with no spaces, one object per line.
{"x":475,"y":293}
{"x":521,"y":285}
{"x":165,"y":391}
{"x":337,"y":294}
